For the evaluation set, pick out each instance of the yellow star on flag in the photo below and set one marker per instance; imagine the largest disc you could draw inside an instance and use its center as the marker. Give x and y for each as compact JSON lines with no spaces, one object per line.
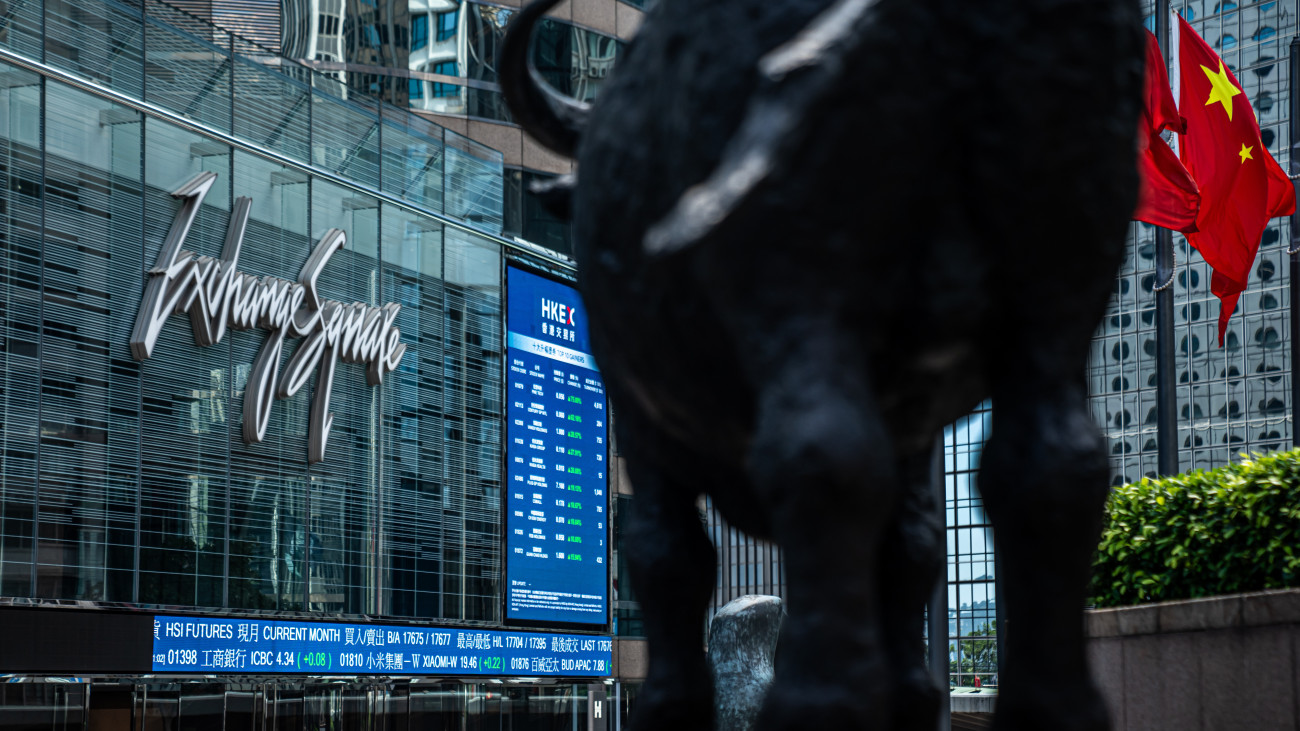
{"x":1222,"y":90}
{"x":1245,"y":153}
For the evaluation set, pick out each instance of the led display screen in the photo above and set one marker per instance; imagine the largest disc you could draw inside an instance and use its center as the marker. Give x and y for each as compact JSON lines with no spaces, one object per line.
{"x":249,"y":646}
{"x":556,"y":425}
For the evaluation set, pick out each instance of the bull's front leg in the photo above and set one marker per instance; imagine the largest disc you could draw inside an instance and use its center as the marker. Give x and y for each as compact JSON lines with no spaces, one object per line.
{"x":673,"y":570}
{"x":824,"y":468}
{"x":1044,"y":483}
{"x":911,"y":561}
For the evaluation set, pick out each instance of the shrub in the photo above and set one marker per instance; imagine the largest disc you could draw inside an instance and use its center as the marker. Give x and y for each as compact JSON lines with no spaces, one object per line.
{"x":1203,"y":533}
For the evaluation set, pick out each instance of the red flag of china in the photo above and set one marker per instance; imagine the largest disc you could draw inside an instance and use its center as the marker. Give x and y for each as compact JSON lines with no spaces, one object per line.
{"x":1242,"y":186}
{"x":1168,"y":196}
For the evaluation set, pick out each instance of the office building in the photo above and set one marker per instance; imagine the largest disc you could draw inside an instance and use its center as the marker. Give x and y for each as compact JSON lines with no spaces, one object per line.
{"x":1230,"y":399}
{"x":296,"y":506}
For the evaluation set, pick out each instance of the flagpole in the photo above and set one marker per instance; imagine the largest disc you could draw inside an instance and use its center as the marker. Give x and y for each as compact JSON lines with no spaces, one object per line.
{"x":1294,"y":249}
{"x":1166,"y":402}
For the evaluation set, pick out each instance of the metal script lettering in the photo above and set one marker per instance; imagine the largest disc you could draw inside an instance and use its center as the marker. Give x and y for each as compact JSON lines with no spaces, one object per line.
{"x":219,"y":297}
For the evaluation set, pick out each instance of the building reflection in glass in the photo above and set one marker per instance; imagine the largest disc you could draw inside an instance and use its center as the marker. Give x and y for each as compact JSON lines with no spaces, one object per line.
{"x":438,"y":47}
{"x":437,"y":56}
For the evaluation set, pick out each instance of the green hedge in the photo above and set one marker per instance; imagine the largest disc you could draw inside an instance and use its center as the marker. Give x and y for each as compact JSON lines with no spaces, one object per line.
{"x":1204,"y":533}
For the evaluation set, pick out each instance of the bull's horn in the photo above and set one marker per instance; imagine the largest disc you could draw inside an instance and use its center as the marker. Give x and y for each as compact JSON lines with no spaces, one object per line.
{"x":554,"y":120}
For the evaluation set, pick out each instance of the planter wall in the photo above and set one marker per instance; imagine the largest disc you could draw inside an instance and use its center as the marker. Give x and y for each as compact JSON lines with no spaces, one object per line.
{"x":1215,"y":664}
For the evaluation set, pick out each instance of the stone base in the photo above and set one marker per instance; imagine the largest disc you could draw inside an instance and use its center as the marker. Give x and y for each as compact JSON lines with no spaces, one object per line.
{"x":1222,"y":663}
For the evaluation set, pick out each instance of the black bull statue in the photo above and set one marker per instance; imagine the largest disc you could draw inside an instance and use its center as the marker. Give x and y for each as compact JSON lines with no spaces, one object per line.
{"x":809,"y":234}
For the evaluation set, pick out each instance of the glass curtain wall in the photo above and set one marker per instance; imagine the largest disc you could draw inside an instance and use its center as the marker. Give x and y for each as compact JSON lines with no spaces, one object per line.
{"x":628,"y":620}
{"x":972,"y":586}
{"x":437,"y":56}
{"x":231,"y":85}
{"x":61,"y":704}
{"x":1234,"y":399}
{"x":402,"y":516}
{"x":745,"y":565}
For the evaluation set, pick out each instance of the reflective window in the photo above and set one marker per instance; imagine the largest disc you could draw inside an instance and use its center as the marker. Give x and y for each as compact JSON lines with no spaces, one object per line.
{"x":84,"y":522}
{"x":447,"y":24}
{"x":419,"y":32}
{"x":574,"y":60}
{"x":446,"y":68}
{"x":628,"y":620}
{"x":21,"y":193}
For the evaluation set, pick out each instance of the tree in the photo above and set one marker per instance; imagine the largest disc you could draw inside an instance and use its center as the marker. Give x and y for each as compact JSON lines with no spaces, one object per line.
{"x":977,"y":656}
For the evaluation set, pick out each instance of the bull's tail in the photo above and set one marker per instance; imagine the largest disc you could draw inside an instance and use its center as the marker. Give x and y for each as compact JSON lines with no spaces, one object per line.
{"x":554,"y":120}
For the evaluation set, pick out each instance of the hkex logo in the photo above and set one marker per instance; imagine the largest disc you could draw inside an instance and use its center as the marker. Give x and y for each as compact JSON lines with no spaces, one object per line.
{"x":557,"y":312}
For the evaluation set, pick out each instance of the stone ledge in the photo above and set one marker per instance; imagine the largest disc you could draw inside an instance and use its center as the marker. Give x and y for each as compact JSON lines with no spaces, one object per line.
{"x":1256,"y":609}
{"x":973,"y":702}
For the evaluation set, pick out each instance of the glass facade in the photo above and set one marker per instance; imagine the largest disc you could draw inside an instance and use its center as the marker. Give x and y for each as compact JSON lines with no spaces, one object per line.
{"x":129,"y":481}
{"x":291,"y":705}
{"x":972,"y":586}
{"x":437,"y":56}
{"x":229,"y":85}
{"x":628,"y":620}
{"x":1230,"y":400}
{"x":97,"y":444}
{"x":127,"y":485}
{"x":745,"y":565}
{"x":432,"y":56}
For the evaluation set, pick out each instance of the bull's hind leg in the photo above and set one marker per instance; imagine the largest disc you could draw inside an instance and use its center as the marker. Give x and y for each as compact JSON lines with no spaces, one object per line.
{"x":673,"y":566}
{"x":824,"y":469}
{"x":1044,"y":485}
{"x":911,"y":560}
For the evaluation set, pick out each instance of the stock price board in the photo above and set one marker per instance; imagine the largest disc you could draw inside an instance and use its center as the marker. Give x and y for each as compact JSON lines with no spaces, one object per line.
{"x":250,"y":646}
{"x":555,"y":458}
